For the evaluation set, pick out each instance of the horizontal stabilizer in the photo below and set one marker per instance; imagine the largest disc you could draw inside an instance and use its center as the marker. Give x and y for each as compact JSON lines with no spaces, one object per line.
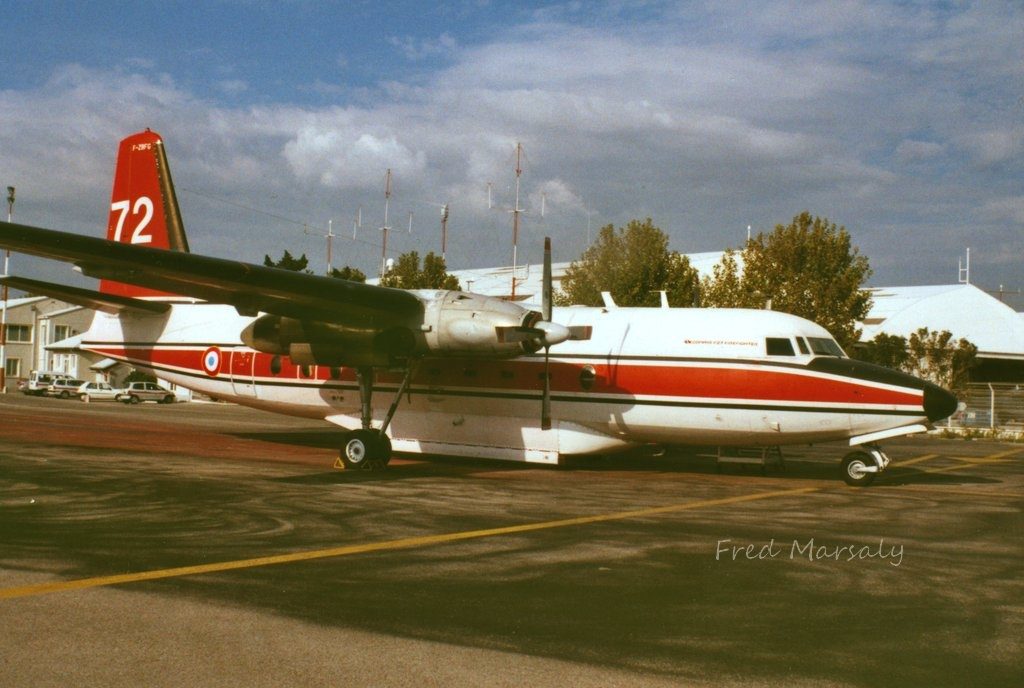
{"x":108,"y":303}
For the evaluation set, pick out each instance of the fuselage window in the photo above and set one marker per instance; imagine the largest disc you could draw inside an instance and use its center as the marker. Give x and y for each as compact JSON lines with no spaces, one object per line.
{"x":824,"y":346}
{"x":800,"y":342}
{"x":779,"y":346}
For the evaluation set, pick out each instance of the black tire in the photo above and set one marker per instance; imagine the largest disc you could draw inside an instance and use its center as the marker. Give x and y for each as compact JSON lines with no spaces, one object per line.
{"x":385,"y":450}
{"x":852,"y":469}
{"x":365,"y":449}
{"x":134,"y":399}
{"x":167,"y":400}
{"x":65,"y":394}
{"x":359,"y":449}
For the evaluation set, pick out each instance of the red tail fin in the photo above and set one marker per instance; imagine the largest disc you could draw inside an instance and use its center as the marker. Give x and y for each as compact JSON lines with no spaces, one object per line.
{"x":143,"y":207}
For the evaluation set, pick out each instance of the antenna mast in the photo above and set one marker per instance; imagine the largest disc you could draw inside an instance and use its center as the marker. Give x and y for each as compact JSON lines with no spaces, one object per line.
{"x":516,"y":210}
{"x":965,"y":270}
{"x":444,"y":231}
{"x":330,"y":240}
{"x":385,"y":228}
{"x":3,"y":322}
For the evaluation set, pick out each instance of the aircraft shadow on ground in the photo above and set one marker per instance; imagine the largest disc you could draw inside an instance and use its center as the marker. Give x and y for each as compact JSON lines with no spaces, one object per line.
{"x":915,"y":476}
{"x":677,"y":460}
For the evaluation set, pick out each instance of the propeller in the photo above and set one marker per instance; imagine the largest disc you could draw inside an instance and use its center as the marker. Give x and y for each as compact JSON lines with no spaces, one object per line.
{"x":545,"y":405}
{"x":542,"y":332}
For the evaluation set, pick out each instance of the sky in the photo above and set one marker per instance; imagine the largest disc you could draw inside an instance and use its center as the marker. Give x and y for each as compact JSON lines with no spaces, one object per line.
{"x":901,"y":121}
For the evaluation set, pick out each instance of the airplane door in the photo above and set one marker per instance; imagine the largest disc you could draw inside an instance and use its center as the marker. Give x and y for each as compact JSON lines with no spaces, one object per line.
{"x":242,"y":382}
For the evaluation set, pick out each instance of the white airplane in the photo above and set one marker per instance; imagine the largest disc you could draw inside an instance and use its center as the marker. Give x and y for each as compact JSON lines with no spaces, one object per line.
{"x":475,"y":371}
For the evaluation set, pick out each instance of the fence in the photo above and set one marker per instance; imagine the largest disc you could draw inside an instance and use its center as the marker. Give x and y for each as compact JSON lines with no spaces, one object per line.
{"x":994,"y":406}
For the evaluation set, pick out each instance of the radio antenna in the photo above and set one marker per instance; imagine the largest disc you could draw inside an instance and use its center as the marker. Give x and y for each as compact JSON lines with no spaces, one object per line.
{"x":330,"y":240}
{"x":386,"y":227}
{"x":444,"y":231}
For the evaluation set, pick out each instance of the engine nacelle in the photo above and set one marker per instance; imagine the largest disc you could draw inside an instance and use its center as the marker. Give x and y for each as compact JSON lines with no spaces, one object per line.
{"x":466,"y":324}
{"x":318,"y":343}
{"x":453,"y":324}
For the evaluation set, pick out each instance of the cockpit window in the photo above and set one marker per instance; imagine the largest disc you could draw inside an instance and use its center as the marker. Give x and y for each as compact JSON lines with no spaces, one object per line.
{"x":825,"y":346}
{"x":803,"y":345}
{"x":779,"y":346}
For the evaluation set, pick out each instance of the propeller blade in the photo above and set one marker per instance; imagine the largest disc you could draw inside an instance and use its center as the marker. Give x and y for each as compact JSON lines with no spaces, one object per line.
{"x":547,"y":290}
{"x":545,"y":403}
{"x":578,"y":333}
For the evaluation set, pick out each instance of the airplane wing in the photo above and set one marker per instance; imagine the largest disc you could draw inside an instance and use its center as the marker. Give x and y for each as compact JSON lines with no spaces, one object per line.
{"x":108,"y":303}
{"x":249,"y":288}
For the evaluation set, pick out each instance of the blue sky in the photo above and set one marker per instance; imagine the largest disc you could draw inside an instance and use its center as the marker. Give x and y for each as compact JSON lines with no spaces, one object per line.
{"x":904,"y":122}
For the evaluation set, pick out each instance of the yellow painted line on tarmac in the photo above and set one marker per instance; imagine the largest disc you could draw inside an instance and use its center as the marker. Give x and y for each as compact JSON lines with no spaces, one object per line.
{"x":919,"y":459}
{"x":974,"y":463}
{"x":387,"y":545}
{"x":933,"y":491}
{"x":991,"y":458}
{"x":966,"y":462}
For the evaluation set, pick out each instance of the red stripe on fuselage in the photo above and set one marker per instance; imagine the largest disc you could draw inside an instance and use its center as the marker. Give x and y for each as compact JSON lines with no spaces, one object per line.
{"x":742,"y":381}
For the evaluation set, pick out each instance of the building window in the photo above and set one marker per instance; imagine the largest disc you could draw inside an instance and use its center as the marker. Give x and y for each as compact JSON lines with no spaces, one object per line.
{"x":62,"y":332}
{"x":19,"y":334}
{"x":13,"y":367}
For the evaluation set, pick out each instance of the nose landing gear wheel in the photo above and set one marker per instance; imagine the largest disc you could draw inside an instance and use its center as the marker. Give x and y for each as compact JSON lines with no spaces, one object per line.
{"x":365,"y":449}
{"x":853,"y":469}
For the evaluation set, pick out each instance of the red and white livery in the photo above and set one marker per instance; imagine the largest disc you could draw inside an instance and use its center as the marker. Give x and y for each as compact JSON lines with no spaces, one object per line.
{"x":460,"y":373}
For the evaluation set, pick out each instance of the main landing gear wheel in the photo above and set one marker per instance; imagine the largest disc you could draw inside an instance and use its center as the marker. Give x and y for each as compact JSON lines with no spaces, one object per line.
{"x":366,"y":449}
{"x":854,"y":469}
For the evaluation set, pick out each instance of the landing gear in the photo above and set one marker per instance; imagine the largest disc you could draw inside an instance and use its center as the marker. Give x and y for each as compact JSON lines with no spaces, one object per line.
{"x":860,"y":468}
{"x":370,"y":448}
{"x":366,"y":449}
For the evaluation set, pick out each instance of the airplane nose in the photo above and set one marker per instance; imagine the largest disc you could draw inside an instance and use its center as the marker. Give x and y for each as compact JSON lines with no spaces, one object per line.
{"x":938,"y":403}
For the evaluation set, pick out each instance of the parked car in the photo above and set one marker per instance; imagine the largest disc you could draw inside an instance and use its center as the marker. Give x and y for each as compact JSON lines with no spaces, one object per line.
{"x":37,"y":383}
{"x":97,"y":391}
{"x":64,"y":387}
{"x":146,"y":391}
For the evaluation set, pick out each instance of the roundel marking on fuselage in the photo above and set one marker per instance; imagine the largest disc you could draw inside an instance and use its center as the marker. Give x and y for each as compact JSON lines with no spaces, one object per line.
{"x":211,"y":361}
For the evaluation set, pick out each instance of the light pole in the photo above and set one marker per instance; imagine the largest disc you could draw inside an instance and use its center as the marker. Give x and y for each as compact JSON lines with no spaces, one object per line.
{"x":3,"y":318}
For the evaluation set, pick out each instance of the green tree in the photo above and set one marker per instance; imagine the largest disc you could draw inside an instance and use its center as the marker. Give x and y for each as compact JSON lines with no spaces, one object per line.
{"x":725,"y":287}
{"x":936,"y":357}
{"x":808,"y":268}
{"x":407,"y":274}
{"x":348,"y":273}
{"x":634,"y":264}
{"x":887,"y":350}
{"x":289,"y":262}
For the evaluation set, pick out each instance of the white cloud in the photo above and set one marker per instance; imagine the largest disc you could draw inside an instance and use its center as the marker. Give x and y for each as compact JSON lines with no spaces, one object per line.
{"x":915,"y":151}
{"x":1009,"y":208}
{"x":995,"y":145}
{"x":346,"y":157}
{"x":233,"y":87}
{"x":705,"y":121}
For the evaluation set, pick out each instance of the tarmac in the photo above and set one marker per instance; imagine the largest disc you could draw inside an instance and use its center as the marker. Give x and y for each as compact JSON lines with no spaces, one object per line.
{"x":209,"y":544}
